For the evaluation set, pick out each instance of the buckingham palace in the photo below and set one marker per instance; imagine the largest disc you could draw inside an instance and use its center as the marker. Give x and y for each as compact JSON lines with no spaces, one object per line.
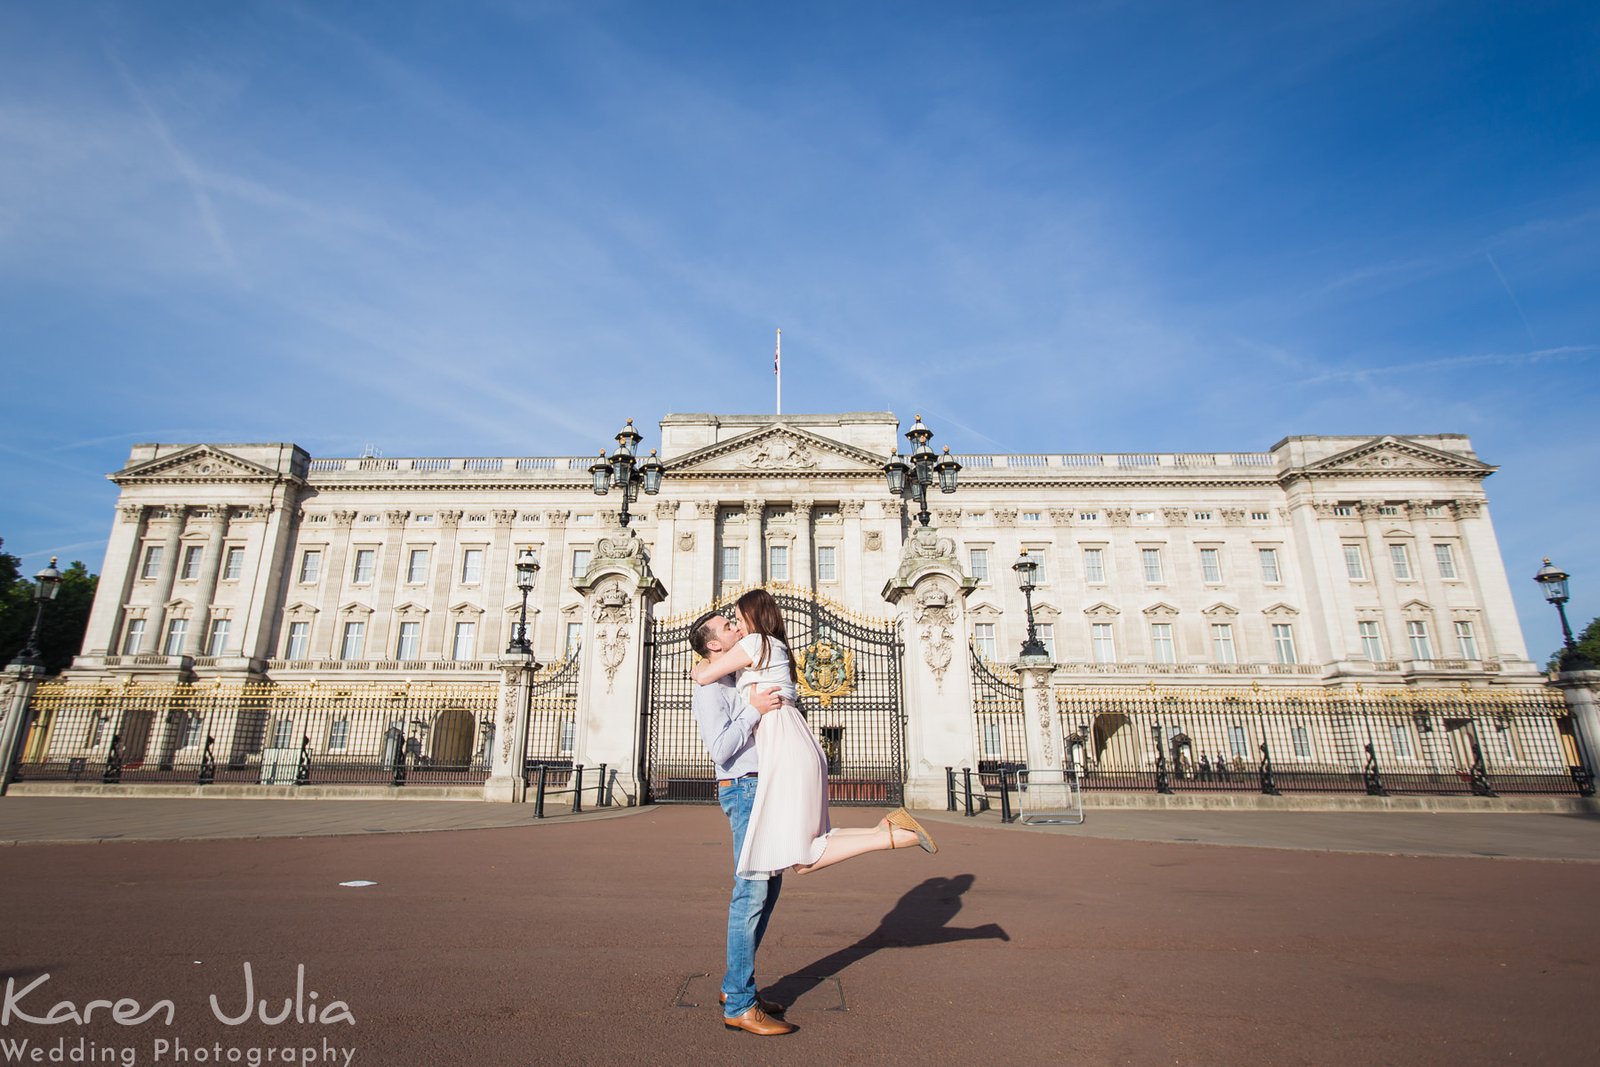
{"x":270,"y":617}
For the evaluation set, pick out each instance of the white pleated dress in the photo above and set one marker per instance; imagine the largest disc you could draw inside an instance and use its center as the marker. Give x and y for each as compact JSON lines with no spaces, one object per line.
{"x":789,"y":819}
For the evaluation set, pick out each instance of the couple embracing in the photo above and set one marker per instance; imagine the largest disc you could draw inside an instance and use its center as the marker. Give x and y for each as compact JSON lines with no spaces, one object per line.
{"x":773,"y":786}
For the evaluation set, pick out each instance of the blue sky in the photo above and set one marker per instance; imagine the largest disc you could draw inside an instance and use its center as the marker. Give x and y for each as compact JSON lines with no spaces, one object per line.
{"x":452,"y":229}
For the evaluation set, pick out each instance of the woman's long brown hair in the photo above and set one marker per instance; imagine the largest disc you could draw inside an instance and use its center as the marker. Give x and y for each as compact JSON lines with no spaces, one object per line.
{"x":764,"y":617}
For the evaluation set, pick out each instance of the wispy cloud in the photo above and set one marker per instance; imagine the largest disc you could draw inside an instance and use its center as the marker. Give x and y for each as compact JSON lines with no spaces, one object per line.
{"x":1365,"y":374}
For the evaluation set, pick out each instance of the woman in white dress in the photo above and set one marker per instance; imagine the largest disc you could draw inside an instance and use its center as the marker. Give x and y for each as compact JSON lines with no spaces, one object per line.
{"x":789,"y":820}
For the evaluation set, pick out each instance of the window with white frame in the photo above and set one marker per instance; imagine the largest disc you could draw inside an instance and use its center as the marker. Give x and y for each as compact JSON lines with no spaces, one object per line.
{"x":569,"y":733}
{"x":1269,"y":566}
{"x":827,"y":563}
{"x":1371,"y":640}
{"x":190,"y":569}
{"x":283,"y":733}
{"x":1039,"y":558}
{"x":472,"y":566}
{"x":1283,"y":642}
{"x":1151,"y":558}
{"x":580,"y":561}
{"x":983,"y":640}
{"x":152,"y":562}
{"x":366,"y":565}
{"x":1222,"y":647}
{"x":409,"y":644}
{"x":978,"y":560}
{"x":1400,"y":558}
{"x":1302,"y":741}
{"x":417,"y":566}
{"x":1417,"y":636}
{"x":730,"y":563}
{"x":133,"y":638}
{"x":233,"y":564}
{"x":193,"y":731}
{"x":1260,"y":516}
{"x":1103,"y":642}
{"x":463,"y":641}
{"x":339,"y":734}
{"x":1210,"y":565}
{"x":217,"y":639}
{"x":1161,"y":646}
{"x":991,"y":740}
{"x":1238,"y":746}
{"x":778,"y":563}
{"x":1467,"y":639}
{"x":1400,"y":739}
{"x":1389,"y":511}
{"x":176,"y":630}
{"x":1445,"y":554}
{"x":573,"y":639}
{"x":1046,"y":632}
{"x":1355,"y":564}
{"x":1094,"y":565}
{"x":355,"y":638}
{"x":310,"y":565}
{"x":299,"y":642}
{"x":1032,"y":516}
{"x":1343,"y":511}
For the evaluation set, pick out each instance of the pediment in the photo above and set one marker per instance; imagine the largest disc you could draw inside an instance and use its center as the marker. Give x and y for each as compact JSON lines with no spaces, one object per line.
{"x":1390,"y":454}
{"x":514,"y":610}
{"x":1162,"y":610}
{"x":410,"y":607}
{"x":1416,"y":607}
{"x":984,"y":611}
{"x":1220,"y":610}
{"x":465,"y":608}
{"x":779,"y":450}
{"x":1102,"y":610}
{"x":1280,"y":611}
{"x":355,"y":607}
{"x":197,"y":463}
{"x":300,"y":607}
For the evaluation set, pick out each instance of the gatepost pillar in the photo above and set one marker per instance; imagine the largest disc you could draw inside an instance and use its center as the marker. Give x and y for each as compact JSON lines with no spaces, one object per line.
{"x":508,"y":782}
{"x":619,"y":592}
{"x":1048,"y":780}
{"x":929,"y":592}
{"x":1580,"y":688}
{"x":16,"y":691}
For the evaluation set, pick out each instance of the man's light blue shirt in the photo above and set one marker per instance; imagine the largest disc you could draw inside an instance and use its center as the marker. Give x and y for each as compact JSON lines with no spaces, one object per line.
{"x":727,"y":726}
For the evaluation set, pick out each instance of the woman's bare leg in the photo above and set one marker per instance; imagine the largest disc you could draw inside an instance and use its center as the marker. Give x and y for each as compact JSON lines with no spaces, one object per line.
{"x":849,"y":842}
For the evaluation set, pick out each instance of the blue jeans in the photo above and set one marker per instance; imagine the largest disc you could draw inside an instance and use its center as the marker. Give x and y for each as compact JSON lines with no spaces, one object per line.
{"x":748,"y":909}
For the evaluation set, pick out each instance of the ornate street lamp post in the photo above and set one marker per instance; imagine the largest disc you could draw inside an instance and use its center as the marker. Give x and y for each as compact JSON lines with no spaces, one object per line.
{"x":1027,"y":576}
{"x":914,"y":475}
{"x":1554,"y":581}
{"x":527,"y":567}
{"x":47,"y":583}
{"x":624,"y":471}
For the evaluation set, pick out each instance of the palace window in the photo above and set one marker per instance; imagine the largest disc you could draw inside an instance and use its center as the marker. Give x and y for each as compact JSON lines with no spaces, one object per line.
{"x":1446,"y":555}
{"x":191,"y":562}
{"x":1222,"y":647}
{"x":409,"y":642}
{"x":310,"y":565}
{"x":466,"y":635}
{"x":573,"y":640}
{"x":1269,"y":566}
{"x":217,"y":640}
{"x":1417,"y":635}
{"x":1152,"y":564}
{"x":580,"y":561}
{"x":983,"y":640}
{"x":417,"y":566}
{"x":1371,"y":641}
{"x":299,"y":641}
{"x":472,"y":566}
{"x":730,"y":563}
{"x":979,"y":560}
{"x":1400,"y":557}
{"x":355,"y":638}
{"x":778,"y":563}
{"x":1161,"y":645}
{"x":1210,"y":565}
{"x":1094,"y":565}
{"x":1283,"y":642}
{"x":1355,"y":565}
{"x":133,"y":638}
{"x":1259,"y":516}
{"x":176,"y":629}
{"x":366,"y":564}
{"x":1238,"y":747}
{"x":1467,"y":638}
{"x":1302,"y":741}
{"x":1046,"y":632}
{"x":233,"y":564}
{"x":338,"y":734}
{"x":1102,"y":641}
{"x":1400,"y":738}
{"x":827,"y":563}
{"x":152,"y":562}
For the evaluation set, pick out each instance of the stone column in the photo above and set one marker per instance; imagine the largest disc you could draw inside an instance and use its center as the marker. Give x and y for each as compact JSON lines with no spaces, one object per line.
{"x":1395,"y":645}
{"x":194,"y":642}
{"x":170,"y":548}
{"x":852,"y":557}
{"x":380,"y":642}
{"x":104,"y":634}
{"x":929,"y":592}
{"x":755,"y":565}
{"x":332,"y":582}
{"x":1582,"y":692}
{"x":1048,"y":777}
{"x":618,"y":593}
{"x":552,"y":579}
{"x":800,"y":565}
{"x":664,"y":556}
{"x":499,"y":586}
{"x":506,"y":783}
{"x":434,"y":637}
{"x":16,"y":689}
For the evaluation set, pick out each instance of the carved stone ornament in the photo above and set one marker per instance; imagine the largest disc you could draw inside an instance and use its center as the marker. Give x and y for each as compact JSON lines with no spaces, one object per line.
{"x":779,"y":453}
{"x":613,"y":617}
{"x":1005,"y":516}
{"x":397,"y":517}
{"x":1233,"y":516}
{"x":1047,"y":744}
{"x":131,"y":512}
{"x":1118,"y":516}
{"x":826,"y":671}
{"x":925,"y":548}
{"x":873,"y":540}
{"x":934,"y":612}
{"x":705,"y":509}
{"x":622,"y":545}
{"x":1061,"y":516}
{"x":1468,"y":509}
{"x":851,"y":509}
{"x":1389,"y":459}
{"x":1175,"y":516}
{"x":947,"y":516}
{"x":344,"y":518}
{"x":449,"y":519}
{"x":557,"y":519}
{"x":509,"y":700}
{"x":505,"y":516}
{"x":686,"y":541}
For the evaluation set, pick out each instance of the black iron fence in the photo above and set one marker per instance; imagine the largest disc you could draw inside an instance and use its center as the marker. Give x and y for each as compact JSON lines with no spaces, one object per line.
{"x":1484,"y":741}
{"x":299,"y":733}
{"x":997,"y":718}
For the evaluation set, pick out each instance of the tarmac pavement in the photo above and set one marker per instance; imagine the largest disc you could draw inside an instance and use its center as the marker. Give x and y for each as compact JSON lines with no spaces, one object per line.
{"x":597,"y":940}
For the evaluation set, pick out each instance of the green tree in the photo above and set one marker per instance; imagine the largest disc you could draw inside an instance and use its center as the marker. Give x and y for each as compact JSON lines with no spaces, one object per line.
{"x":65,"y":619}
{"x":1588,"y":647}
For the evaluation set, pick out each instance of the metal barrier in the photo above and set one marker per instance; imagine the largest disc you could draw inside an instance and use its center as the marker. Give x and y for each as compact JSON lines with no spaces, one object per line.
{"x":545,"y":775}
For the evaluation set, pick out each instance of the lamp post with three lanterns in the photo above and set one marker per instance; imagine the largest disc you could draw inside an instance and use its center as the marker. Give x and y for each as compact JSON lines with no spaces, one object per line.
{"x":912,"y":476}
{"x":622,"y":470}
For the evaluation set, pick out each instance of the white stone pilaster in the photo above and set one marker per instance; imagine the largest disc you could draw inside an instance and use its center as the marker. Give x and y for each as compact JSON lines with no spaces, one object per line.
{"x":506,"y":783}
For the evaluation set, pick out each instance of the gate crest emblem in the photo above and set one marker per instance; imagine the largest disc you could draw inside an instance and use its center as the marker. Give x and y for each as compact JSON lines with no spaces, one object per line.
{"x":826,"y":671}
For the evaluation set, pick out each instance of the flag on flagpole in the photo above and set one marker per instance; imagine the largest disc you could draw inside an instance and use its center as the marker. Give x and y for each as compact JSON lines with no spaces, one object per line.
{"x":777,"y":372}
{"x":777,"y":353}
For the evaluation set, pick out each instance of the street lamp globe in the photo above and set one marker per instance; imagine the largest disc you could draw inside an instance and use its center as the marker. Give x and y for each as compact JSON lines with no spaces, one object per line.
{"x":1554,"y":581}
{"x":527,"y":567}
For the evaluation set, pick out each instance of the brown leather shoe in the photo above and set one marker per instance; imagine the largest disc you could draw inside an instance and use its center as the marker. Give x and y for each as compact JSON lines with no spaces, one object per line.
{"x":771,"y":1007}
{"x":755,"y":1021}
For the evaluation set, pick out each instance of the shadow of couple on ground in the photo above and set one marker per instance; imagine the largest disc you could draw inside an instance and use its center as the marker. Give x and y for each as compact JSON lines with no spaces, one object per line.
{"x":920,"y":917}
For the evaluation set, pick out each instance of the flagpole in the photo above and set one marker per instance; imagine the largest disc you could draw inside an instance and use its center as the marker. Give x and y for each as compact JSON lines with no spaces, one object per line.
{"x":777,"y":370}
